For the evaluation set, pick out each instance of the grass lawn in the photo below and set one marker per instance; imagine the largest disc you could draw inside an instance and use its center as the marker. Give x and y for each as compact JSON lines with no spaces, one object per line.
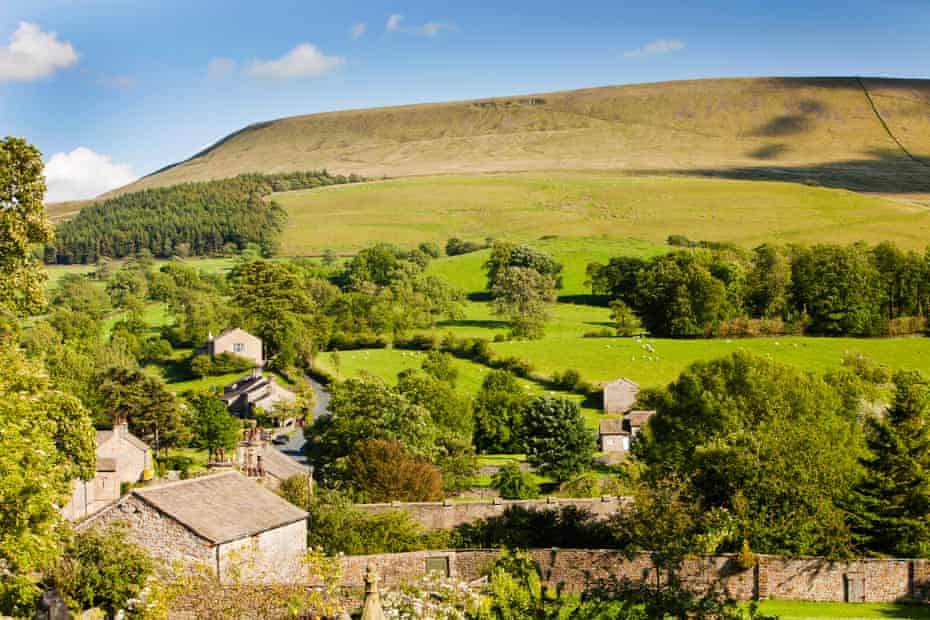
{"x":802,"y":610}
{"x":525,"y":207}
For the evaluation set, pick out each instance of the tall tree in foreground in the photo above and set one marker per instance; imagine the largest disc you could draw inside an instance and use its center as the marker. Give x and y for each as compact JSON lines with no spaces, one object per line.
{"x":891,"y":506}
{"x":558,"y":443}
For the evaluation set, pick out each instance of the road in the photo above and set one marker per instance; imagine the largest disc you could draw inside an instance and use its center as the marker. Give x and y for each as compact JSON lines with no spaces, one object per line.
{"x":294,"y":448}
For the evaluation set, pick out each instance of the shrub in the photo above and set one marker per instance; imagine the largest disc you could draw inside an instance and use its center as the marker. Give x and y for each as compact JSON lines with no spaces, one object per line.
{"x":517,"y":366}
{"x":745,"y":559}
{"x":567,"y":380}
{"x":456,"y":246}
{"x":382,"y":471}
{"x":514,"y":483}
{"x":591,"y":485}
{"x":602,"y":332}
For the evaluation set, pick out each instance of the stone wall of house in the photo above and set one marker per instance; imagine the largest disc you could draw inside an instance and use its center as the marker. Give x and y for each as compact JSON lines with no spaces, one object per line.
{"x":449,"y":514}
{"x":271,"y":557}
{"x":573,"y":570}
{"x":160,"y":535}
{"x":131,"y":462}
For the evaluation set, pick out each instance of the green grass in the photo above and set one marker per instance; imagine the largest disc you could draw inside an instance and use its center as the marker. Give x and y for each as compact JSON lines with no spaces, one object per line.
{"x":803,"y":610}
{"x":525,"y":207}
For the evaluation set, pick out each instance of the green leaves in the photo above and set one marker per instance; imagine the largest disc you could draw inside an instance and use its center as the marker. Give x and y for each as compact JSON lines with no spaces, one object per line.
{"x":557,"y":442}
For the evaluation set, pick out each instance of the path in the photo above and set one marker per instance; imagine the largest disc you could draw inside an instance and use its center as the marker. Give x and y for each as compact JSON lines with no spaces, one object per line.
{"x":294,"y":448}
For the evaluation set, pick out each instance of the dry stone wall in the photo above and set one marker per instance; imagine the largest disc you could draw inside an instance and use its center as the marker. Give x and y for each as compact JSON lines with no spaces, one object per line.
{"x":574,"y":570}
{"x":449,"y":514}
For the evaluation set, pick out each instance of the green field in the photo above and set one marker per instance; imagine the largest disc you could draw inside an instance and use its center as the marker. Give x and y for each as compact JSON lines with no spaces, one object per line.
{"x":524,"y":207}
{"x":803,"y":610}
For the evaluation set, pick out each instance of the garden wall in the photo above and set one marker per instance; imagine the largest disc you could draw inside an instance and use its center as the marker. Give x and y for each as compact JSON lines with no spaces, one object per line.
{"x":574,"y":570}
{"x":449,"y":514}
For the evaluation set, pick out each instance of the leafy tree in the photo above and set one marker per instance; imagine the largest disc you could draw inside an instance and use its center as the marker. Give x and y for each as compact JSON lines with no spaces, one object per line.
{"x":126,"y":285}
{"x":617,"y":279}
{"x":499,"y":408}
{"x":891,"y":505}
{"x":75,"y":292}
{"x":448,"y":409}
{"x":514,"y":483}
{"x":624,"y":319}
{"x":521,"y":294}
{"x":441,"y":365}
{"x":22,"y":224}
{"x":382,"y":471}
{"x":557,"y":441}
{"x":152,"y":411}
{"x":506,"y":255}
{"x":211,"y":424}
{"x":101,"y":569}
{"x":772,"y":446}
{"x":377,"y":265}
{"x":48,"y":441}
{"x":769,"y":282}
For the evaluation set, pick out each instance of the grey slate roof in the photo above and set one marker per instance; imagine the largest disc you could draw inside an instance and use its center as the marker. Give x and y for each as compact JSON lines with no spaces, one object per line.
{"x":281,"y":466}
{"x":222,"y":507}
{"x":612,"y":426}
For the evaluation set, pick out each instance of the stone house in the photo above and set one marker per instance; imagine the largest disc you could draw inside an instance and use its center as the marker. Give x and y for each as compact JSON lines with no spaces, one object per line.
{"x":237,"y":341}
{"x":636,"y":420}
{"x":121,"y":458}
{"x":620,"y":395}
{"x":254,"y":390}
{"x":612,"y":437}
{"x":222,"y":521}
{"x":257,"y":458}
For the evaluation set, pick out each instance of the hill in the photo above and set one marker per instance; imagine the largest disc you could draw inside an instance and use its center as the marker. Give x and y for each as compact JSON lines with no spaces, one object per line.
{"x":861,"y":134}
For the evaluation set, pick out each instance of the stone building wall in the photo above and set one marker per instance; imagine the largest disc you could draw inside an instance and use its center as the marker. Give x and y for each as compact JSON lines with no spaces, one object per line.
{"x":574,"y":570}
{"x":160,"y":535}
{"x":448,"y":514}
{"x":270,"y":557}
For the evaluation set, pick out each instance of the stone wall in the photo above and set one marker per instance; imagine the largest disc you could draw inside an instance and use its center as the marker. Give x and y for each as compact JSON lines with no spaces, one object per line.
{"x":449,"y":514}
{"x":270,"y":557}
{"x":574,"y":570}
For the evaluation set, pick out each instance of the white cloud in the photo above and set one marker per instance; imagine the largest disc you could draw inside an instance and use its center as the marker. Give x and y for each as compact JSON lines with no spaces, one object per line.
{"x":305,"y":60}
{"x":82,"y":174}
{"x":659,"y":47}
{"x":358,"y":30}
{"x":220,"y":68}
{"x":393,"y":22}
{"x":429,"y":29}
{"x":33,"y":54}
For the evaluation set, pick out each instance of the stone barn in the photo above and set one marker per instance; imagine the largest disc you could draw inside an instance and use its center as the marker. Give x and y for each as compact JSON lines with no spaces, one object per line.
{"x":220,"y":521}
{"x":620,"y":395}
{"x":612,"y":437}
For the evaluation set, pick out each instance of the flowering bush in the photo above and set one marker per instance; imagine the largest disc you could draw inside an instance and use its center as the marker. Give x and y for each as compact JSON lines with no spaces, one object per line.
{"x":434,"y":597}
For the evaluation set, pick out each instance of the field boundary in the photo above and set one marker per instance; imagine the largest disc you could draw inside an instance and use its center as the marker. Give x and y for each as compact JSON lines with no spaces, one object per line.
{"x":881,"y":120}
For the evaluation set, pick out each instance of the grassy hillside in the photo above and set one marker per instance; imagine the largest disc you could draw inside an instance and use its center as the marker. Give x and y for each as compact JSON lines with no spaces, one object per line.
{"x":821,"y":129}
{"x":530,"y":205}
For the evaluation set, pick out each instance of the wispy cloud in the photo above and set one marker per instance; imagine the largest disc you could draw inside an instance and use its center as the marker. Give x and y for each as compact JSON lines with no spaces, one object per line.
{"x":358,"y":30}
{"x":33,"y":54}
{"x":220,"y":68}
{"x":659,"y":47}
{"x":304,"y":61}
{"x":84,"y":173}
{"x":429,"y":29}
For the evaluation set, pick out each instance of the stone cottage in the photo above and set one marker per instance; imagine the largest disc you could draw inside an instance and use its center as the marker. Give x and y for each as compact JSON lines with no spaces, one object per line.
{"x":636,"y":420}
{"x":612,"y":437}
{"x":254,"y":391}
{"x":121,"y":458}
{"x":620,"y":395}
{"x":237,"y":341}
{"x":222,"y":521}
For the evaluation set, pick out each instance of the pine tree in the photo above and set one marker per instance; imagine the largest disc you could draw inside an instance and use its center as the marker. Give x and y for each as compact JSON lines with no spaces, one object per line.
{"x":891,"y":507}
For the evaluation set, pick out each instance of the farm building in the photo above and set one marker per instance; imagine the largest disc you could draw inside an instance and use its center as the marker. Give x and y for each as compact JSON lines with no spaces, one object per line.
{"x":219,"y":521}
{"x":620,"y":395}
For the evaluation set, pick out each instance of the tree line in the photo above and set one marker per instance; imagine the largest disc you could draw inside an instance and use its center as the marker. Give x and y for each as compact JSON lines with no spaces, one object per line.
{"x":191,"y":219}
{"x":715,"y":289}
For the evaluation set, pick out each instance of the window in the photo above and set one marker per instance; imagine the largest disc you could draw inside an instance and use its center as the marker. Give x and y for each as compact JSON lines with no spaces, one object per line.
{"x":238,"y":347}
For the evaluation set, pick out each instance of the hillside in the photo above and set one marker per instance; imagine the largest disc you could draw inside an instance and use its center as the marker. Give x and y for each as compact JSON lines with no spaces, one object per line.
{"x":866,"y":135}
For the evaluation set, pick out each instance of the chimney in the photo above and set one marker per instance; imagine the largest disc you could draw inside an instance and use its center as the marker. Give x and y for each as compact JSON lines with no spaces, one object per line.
{"x":120,"y":427}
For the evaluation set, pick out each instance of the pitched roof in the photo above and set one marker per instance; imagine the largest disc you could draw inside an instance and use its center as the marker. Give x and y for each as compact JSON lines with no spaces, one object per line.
{"x":638,"y":418}
{"x":613,"y":426}
{"x":280,"y":465}
{"x":102,"y":437}
{"x":223,"y":507}
{"x":622,"y":380}
{"x":231,"y":330}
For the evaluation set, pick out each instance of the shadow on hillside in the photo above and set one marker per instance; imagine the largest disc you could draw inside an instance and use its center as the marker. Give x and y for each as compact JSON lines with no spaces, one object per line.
{"x":888,"y":172}
{"x":584,"y":300}
{"x":488,"y":324}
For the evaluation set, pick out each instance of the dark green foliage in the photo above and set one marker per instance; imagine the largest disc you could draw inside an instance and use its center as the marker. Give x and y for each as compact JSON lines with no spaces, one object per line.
{"x":890,"y":509}
{"x":774,"y":448}
{"x":499,"y":409}
{"x":101,"y":569}
{"x":557,"y":441}
{"x":522,"y":528}
{"x":195,"y":218}
{"x":152,"y":411}
{"x":79,"y":294}
{"x":514,"y":483}
{"x":448,"y":409}
{"x":222,"y":364}
{"x":211,"y":424}
{"x":455,"y":247}
{"x":439,"y":364}
{"x":378,"y":471}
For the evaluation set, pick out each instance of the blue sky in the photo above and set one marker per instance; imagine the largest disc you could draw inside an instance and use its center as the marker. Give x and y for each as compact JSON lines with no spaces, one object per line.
{"x":124,"y":87}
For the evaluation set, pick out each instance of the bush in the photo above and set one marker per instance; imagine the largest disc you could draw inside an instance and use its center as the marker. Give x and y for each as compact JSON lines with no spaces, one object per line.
{"x":567,"y":380}
{"x":382,"y":471}
{"x":745,"y":559}
{"x":347,"y":342}
{"x":523,"y":528}
{"x":591,"y":485}
{"x":517,"y":366}
{"x":222,"y":364}
{"x":514,"y":483}
{"x":456,"y":246}
{"x":602,"y":332}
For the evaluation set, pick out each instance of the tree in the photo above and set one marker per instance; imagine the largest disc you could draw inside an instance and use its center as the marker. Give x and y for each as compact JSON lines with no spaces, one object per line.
{"x":521,"y":295}
{"x":499,"y":408}
{"x":514,"y":483}
{"x":769,"y":282}
{"x":22,"y":225}
{"x":772,"y":446}
{"x":441,"y":365}
{"x":505,"y":255}
{"x":890,"y":510}
{"x":383,"y":471}
{"x":557,"y":441}
{"x":448,"y":409}
{"x":212,"y":426}
{"x":624,"y":320}
{"x":144,"y":401}
{"x":48,"y":441}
